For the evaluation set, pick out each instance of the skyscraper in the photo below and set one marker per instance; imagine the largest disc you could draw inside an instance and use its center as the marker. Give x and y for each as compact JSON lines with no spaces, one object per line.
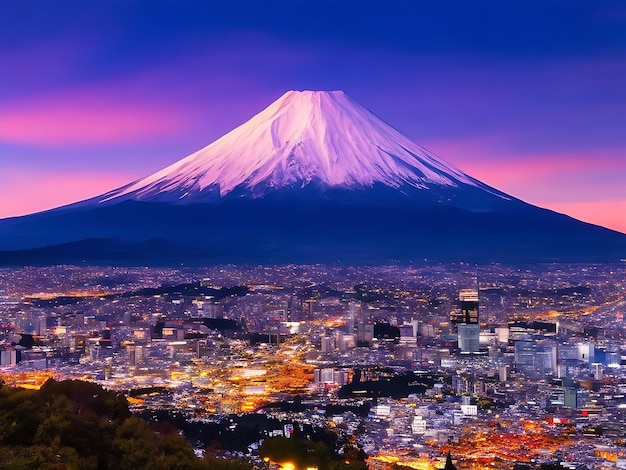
{"x":469,"y":337}
{"x":465,"y":321}
{"x":354,"y":316}
{"x":525,"y":355}
{"x":469,"y":306}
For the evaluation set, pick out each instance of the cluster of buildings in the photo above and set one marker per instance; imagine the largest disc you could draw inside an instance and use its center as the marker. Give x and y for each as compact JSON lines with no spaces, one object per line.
{"x":513,"y":367}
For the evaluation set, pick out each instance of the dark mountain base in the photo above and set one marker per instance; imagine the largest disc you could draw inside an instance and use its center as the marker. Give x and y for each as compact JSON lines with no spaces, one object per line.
{"x":262,"y":231}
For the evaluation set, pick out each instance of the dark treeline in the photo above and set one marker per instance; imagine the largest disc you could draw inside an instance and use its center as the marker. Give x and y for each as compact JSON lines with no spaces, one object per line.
{"x":79,"y":425}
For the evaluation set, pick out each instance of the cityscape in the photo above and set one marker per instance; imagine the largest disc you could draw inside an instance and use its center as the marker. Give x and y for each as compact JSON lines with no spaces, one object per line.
{"x":499,"y":366}
{"x":312,"y":235}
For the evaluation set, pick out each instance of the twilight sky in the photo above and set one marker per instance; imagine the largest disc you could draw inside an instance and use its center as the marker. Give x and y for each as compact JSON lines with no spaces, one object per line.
{"x":528,"y":96}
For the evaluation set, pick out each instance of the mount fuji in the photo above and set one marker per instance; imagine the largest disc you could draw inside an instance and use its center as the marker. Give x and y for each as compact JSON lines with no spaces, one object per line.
{"x":319,"y":139}
{"x":314,"y":177}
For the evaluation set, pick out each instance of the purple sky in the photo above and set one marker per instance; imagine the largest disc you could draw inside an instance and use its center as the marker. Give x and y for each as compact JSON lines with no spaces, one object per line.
{"x":527,"y":96}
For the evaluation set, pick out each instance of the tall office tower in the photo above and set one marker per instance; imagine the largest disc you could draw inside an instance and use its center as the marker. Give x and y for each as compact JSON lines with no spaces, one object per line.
{"x":340,"y":342}
{"x":467,"y":311}
{"x":132,"y":355}
{"x":8,"y":357}
{"x":364,"y":333}
{"x":464,"y":321}
{"x":570,"y":397}
{"x":327,"y":344}
{"x":214,"y":310}
{"x":598,"y":371}
{"x":469,"y":337}
{"x":585,"y":351}
{"x":503,"y":372}
{"x":525,"y":355}
{"x":354,"y":315}
{"x":469,"y":305}
{"x":546,"y":357}
{"x":293,"y":311}
{"x":308,"y":306}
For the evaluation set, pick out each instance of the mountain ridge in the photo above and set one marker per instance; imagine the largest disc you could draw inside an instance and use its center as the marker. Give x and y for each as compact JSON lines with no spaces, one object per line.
{"x":142,"y":233}
{"x":268,"y":192}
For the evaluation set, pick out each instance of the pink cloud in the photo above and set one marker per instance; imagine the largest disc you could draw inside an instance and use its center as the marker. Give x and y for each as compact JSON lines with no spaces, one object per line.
{"x":585,"y":185}
{"x":543,"y":179}
{"x":85,"y":119}
{"x":491,"y":154}
{"x":67,"y":109}
{"x":527,"y":172}
{"x":608,"y":214}
{"x":23,"y":192}
{"x":133,"y":107}
{"x":491,"y":161}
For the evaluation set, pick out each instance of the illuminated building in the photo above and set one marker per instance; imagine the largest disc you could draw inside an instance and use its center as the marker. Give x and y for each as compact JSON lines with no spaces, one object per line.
{"x":419,"y":425}
{"x":525,"y":355}
{"x":9,"y":357}
{"x":546,"y":358}
{"x":354,"y":315}
{"x":327,"y":344}
{"x":213,"y":310}
{"x":598,"y":372}
{"x":465,"y":321}
{"x":468,"y":312}
{"x":469,"y":337}
{"x":364,"y":333}
{"x":309,"y":308}
{"x":585,"y":351}
{"x":570,"y":397}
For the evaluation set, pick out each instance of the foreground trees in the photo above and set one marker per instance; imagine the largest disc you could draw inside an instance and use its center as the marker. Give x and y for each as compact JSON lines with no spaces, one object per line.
{"x":305,"y":453}
{"x":79,"y":425}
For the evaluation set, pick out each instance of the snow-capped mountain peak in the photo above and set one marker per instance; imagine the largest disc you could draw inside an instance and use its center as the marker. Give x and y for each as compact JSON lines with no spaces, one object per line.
{"x":314,"y":177}
{"x":304,"y":137}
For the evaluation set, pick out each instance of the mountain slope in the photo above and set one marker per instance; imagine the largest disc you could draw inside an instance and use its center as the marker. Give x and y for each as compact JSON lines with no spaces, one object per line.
{"x":323,"y":139}
{"x":314,"y":177}
{"x":263,"y":231}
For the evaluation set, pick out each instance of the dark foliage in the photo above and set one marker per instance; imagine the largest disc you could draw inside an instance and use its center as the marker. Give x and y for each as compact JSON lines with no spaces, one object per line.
{"x":79,"y":425}
{"x":305,"y":453}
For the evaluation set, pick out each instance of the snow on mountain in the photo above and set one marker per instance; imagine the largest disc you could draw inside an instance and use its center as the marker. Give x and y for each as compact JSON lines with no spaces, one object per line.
{"x":304,"y":137}
{"x":313,"y":178}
